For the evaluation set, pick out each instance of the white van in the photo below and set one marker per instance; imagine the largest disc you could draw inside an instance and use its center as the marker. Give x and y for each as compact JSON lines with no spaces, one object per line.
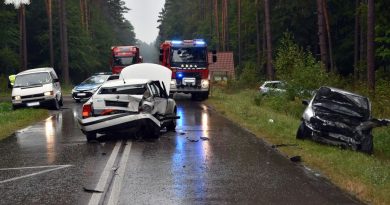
{"x":37,"y":87}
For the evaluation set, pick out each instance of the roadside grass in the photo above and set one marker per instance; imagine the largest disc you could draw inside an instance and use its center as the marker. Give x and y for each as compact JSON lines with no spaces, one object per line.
{"x":11,"y":120}
{"x":277,"y":120}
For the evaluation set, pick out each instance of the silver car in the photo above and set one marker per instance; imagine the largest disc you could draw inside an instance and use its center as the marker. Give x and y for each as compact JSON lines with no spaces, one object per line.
{"x":137,"y":103}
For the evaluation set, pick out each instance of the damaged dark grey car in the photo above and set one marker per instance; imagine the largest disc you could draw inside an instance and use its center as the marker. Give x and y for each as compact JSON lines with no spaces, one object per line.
{"x":340,"y":118}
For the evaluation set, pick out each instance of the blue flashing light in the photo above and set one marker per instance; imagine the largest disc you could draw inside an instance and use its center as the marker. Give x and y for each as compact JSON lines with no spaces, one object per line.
{"x":200,"y":42}
{"x":177,"y":42}
{"x":179,"y":75}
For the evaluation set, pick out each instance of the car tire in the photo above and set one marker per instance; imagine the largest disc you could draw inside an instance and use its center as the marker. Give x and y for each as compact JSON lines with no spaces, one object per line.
{"x":91,"y":136}
{"x":367,"y":144}
{"x":61,"y":101}
{"x":14,"y":107}
{"x":302,"y":132}
{"x":172,"y":124}
{"x":55,"y":104}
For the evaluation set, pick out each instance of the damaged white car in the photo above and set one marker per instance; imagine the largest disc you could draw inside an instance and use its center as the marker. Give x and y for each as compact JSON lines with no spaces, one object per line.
{"x":137,"y":103}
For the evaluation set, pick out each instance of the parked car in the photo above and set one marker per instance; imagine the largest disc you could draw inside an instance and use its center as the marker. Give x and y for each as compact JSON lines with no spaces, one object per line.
{"x":37,"y":87}
{"x":338,"y":117}
{"x":88,"y":87}
{"x":138,"y":103}
{"x":272,"y":87}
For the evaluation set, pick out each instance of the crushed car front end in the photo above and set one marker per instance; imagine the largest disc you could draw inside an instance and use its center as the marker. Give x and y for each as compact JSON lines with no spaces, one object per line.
{"x":338,"y":117}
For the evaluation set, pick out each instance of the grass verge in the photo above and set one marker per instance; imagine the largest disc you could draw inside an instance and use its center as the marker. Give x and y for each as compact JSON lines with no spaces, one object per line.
{"x":10,"y":120}
{"x":365,"y":176}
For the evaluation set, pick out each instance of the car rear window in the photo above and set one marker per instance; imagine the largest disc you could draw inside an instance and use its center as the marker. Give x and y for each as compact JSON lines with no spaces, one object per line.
{"x":138,"y":89}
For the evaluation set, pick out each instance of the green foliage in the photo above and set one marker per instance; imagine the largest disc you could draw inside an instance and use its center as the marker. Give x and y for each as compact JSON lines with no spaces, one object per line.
{"x":249,"y":77}
{"x":89,"y":49}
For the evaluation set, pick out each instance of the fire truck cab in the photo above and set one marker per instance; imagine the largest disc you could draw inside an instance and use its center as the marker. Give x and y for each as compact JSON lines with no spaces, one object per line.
{"x":188,"y":60}
{"x":123,"y":56}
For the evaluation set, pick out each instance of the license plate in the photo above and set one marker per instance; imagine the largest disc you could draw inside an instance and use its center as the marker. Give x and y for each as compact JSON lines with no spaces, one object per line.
{"x":81,"y":94}
{"x":188,"y":81}
{"x":31,"y":104}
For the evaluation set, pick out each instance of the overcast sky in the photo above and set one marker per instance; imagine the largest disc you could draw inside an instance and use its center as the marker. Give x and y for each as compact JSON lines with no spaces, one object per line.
{"x":143,"y":15}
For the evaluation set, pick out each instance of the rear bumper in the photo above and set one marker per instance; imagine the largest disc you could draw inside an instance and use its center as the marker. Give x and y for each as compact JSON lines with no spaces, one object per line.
{"x":118,"y":123}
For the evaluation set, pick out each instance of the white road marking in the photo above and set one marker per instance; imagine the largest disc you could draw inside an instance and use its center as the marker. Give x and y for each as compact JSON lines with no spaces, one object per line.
{"x":54,"y":167}
{"x":117,"y":185}
{"x":95,"y":199}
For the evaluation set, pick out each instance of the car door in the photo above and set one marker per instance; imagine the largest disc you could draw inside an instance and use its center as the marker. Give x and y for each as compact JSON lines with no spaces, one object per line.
{"x":160,"y":101}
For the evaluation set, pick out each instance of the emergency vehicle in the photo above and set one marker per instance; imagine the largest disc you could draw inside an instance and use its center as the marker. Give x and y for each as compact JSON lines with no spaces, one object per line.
{"x":122,"y":56}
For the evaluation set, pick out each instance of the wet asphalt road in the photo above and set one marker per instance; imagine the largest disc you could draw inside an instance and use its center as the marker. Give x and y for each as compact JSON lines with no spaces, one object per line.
{"x":50,"y":162}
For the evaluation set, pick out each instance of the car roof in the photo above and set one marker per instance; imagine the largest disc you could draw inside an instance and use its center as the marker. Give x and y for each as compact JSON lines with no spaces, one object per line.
{"x":37,"y":70}
{"x":119,"y":82}
{"x":273,"y":81}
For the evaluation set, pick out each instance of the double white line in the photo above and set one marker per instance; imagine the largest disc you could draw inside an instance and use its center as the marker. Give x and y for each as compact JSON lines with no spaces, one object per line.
{"x":108,"y":172}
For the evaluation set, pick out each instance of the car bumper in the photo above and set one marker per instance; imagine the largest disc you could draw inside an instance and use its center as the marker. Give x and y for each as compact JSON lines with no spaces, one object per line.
{"x":118,"y":123}
{"x":34,"y":102}
{"x":188,"y":90}
{"x":81,"y":95}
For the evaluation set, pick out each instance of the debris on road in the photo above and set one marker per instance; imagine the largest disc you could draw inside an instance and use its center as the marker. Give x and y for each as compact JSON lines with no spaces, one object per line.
{"x":91,"y":190}
{"x":296,"y":158}
{"x":192,"y":140}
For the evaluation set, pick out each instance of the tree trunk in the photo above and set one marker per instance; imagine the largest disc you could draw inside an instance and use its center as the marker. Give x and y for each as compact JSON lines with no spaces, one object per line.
{"x":370,"y":45}
{"x":363,"y":43}
{"x":356,"y":41}
{"x":50,"y":24}
{"x":23,"y":38}
{"x":239,"y":30}
{"x":64,"y":42}
{"x":321,"y":35}
{"x":270,"y":72}
{"x":217,"y":23}
{"x":258,"y":54}
{"x":326,"y":18}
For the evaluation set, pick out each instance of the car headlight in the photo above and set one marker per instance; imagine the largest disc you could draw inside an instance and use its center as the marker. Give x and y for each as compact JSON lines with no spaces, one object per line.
{"x":17,"y":97}
{"x":73,"y":90}
{"x":49,"y":93}
{"x":205,"y":83}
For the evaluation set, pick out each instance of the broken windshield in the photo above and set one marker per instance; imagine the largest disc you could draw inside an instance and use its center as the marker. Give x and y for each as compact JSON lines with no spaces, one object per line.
{"x":341,"y":102}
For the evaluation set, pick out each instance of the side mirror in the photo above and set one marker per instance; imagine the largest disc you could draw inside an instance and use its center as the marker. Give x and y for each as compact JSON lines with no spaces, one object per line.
{"x":56,"y":80}
{"x":10,"y":85}
{"x":305,"y":102}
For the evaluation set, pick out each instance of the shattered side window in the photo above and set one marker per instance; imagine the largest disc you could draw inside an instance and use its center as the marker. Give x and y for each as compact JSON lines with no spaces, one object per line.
{"x":138,"y":89}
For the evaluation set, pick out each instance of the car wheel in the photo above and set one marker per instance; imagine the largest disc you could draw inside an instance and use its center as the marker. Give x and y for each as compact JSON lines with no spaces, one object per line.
{"x":367,"y":145}
{"x":90,"y":136}
{"x":61,"y":101}
{"x":56,"y":104}
{"x":14,"y":107}
{"x":302,"y":132}
{"x":172,"y":124}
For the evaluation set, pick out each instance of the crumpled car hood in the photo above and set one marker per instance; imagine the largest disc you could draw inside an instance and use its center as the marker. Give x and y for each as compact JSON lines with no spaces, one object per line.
{"x":340,"y":118}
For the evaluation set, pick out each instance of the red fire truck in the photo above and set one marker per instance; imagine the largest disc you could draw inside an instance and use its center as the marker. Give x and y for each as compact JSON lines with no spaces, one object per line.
{"x":122,"y":56}
{"x":188,"y":60}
